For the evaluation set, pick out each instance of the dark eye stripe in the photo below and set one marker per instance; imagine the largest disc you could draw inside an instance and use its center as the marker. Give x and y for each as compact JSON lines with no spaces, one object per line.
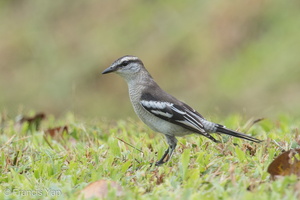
{"x":125,"y":63}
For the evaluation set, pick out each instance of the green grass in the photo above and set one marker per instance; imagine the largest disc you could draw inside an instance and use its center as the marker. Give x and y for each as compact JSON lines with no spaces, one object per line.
{"x":199,"y":169}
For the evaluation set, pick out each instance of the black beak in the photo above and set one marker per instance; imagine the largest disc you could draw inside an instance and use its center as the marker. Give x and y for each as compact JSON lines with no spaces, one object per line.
{"x":109,"y":70}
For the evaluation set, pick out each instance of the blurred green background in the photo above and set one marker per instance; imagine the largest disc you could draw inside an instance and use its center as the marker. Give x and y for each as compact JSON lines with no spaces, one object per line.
{"x":221,"y":57}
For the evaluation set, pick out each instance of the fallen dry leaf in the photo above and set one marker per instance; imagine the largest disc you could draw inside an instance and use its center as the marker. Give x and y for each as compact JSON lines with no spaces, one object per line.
{"x":250,"y":148}
{"x":286,"y":164}
{"x":33,"y":122}
{"x":57,"y":131}
{"x":100,"y":189}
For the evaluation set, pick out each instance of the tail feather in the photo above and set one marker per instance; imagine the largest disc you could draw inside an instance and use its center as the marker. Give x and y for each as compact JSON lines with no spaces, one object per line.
{"x":222,"y":129}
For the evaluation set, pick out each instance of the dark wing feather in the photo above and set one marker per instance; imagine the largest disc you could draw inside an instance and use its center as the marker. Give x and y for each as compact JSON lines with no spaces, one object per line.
{"x":173,"y":111}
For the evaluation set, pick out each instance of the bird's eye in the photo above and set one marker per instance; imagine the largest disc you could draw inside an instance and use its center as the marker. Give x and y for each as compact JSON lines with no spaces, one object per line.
{"x":125,"y":63}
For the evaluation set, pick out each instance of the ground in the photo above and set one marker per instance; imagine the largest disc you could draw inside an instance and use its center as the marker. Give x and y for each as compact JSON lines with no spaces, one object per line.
{"x":42,"y":165}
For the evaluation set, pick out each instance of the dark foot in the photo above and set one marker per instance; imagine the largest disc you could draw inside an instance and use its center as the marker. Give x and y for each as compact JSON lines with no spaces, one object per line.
{"x":158,"y":163}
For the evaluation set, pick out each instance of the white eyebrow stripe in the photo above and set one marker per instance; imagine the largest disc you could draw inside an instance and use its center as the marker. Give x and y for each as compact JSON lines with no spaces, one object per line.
{"x":129,"y":58}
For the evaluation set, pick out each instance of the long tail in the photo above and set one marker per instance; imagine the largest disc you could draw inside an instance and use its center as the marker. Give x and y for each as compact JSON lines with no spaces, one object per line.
{"x":222,"y":129}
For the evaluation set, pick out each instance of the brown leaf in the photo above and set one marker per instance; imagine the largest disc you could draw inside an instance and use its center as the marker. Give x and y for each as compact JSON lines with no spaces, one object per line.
{"x":250,"y":148}
{"x":33,"y":122}
{"x":157,"y":177}
{"x":286,"y":164}
{"x":57,"y":131}
{"x":160,"y":179}
{"x":100,"y":189}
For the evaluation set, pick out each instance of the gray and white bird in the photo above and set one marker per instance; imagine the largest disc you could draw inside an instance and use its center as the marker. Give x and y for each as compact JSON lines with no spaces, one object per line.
{"x":161,"y":111}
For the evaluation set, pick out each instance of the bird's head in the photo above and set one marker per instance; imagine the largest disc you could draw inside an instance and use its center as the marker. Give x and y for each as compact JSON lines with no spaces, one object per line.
{"x":126,"y":66}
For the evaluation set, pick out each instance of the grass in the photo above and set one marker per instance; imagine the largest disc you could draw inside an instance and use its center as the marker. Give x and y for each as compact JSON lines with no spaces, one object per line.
{"x":58,"y":168}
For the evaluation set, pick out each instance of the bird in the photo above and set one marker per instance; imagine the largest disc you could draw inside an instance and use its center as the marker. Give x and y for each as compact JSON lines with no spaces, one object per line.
{"x":161,"y":111}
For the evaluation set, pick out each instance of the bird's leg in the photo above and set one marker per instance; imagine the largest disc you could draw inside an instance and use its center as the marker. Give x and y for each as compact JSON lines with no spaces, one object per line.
{"x":172,"y":141}
{"x":162,"y":160}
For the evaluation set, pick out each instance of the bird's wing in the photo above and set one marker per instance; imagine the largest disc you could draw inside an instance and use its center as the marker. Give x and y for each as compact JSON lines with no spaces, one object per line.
{"x":180,"y":114}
